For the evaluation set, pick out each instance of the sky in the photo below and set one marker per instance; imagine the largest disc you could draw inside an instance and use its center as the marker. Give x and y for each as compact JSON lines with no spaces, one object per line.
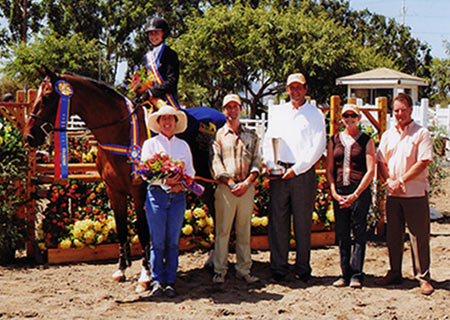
{"x":429,"y":20}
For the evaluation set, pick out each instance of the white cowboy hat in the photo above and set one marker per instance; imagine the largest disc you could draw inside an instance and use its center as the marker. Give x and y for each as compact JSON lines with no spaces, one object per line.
{"x":180,"y":126}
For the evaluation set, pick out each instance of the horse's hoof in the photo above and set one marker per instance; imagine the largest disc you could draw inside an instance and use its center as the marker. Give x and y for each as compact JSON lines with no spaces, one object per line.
{"x":142,"y":286}
{"x":118,"y":276}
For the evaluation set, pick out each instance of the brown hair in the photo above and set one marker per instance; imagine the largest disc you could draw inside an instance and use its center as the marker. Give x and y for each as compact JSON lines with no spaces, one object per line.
{"x":404,"y":98}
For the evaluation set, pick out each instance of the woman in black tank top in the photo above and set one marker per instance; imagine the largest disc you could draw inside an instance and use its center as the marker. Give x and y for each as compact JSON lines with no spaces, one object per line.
{"x":350,"y":170}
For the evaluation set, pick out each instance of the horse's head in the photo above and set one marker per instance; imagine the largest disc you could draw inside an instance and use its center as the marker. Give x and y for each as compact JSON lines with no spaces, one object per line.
{"x":44,"y":110}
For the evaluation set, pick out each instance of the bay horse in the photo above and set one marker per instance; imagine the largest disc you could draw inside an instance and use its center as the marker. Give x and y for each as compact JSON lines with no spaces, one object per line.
{"x":106,"y":114}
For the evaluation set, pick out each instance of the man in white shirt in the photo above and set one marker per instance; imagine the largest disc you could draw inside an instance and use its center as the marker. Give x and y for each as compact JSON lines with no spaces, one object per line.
{"x":300,"y":129}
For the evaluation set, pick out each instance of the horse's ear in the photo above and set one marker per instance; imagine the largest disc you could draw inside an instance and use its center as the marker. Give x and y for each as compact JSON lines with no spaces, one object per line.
{"x":44,"y":71}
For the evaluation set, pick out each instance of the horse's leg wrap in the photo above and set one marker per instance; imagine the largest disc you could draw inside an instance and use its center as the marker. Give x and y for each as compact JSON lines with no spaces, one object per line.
{"x":125,"y":256}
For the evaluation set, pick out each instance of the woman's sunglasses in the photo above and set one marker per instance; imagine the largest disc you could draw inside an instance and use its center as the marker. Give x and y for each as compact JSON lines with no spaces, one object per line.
{"x":350,"y":115}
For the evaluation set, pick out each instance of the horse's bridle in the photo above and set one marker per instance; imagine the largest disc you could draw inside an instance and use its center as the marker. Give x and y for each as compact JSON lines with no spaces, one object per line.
{"x":48,"y":128}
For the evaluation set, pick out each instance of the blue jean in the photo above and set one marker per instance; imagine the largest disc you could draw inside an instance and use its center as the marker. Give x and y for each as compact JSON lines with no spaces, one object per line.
{"x":352,"y":220}
{"x":165,"y":215}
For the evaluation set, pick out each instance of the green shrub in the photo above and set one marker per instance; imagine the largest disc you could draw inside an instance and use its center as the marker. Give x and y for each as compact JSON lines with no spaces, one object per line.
{"x":13,"y":166}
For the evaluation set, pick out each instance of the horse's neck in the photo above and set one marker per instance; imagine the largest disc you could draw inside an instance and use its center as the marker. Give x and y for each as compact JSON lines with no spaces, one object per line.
{"x":97,"y":113}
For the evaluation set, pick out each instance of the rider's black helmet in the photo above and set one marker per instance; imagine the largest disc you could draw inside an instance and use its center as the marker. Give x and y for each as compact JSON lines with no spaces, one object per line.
{"x":157,"y":24}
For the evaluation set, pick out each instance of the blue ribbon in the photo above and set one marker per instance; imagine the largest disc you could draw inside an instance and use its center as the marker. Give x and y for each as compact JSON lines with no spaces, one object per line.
{"x":65,"y":92}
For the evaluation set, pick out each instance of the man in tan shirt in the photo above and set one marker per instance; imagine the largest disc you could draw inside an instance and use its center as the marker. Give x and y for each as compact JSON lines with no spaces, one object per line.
{"x":236,"y":163}
{"x":403,"y":156}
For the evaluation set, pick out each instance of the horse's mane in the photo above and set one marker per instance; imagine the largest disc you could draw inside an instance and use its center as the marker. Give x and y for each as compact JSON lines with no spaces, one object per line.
{"x":99,"y":84}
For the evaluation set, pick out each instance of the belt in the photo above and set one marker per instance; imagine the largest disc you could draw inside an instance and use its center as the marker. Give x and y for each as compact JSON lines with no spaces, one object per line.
{"x":285,"y":164}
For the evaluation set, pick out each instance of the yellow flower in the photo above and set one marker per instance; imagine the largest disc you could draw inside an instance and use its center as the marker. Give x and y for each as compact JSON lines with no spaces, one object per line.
{"x":98,"y":226}
{"x":201,"y":223}
{"x":112,"y":225}
{"x":330,"y":215}
{"x":1,"y":140}
{"x":315,"y":217}
{"x":265,"y":221}
{"x":42,"y":246}
{"x":100,"y":238}
{"x":77,"y":232}
{"x":210,"y":237}
{"x":78,"y":243}
{"x":208,"y":230}
{"x":199,"y":213}
{"x":188,"y":214}
{"x":135,"y":239}
{"x":210,"y":221}
{"x":187,"y":230}
{"x":40,"y":234}
{"x":65,"y":244}
{"x":256,"y":221}
{"x":89,"y":236}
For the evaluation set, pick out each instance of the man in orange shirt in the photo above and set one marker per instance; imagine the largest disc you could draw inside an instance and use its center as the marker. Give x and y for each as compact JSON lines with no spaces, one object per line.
{"x":403,"y":156}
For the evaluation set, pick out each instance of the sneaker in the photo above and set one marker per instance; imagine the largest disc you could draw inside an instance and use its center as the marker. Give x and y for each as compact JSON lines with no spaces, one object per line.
{"x":157,"y":290}
{"x":339,"y":283}
{"x":169,"y":291}
{"x":355,"y":284}
{"x":248,"y":278}
{"x":218,"y":278}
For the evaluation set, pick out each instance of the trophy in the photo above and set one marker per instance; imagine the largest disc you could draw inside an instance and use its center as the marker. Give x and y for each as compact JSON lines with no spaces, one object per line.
{"x":277,"y":170}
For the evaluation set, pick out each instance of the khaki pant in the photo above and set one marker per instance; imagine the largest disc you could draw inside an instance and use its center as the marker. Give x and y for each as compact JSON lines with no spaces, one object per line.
{"x":228,"y":208}
{"x":415,"y":212}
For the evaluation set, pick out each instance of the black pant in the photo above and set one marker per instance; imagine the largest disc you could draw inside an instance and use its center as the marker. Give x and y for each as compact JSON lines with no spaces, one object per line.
{"x":352,"y":220}
{"x":291,"y":198}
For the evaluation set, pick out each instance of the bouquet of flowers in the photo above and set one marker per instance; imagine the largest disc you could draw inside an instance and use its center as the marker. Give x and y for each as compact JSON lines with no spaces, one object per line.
{"x":161,"y":166}
{"x":140,"y":81}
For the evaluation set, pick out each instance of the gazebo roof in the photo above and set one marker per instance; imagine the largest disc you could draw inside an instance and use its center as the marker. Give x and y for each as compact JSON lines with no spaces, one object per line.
{"x":381,"y":76}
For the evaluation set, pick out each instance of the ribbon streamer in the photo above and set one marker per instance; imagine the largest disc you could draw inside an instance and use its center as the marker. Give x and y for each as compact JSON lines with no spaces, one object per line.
{"x":65,"y":91}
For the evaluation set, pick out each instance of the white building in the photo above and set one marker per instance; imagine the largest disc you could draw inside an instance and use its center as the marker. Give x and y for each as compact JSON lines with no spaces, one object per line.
{"x":382,"y":82}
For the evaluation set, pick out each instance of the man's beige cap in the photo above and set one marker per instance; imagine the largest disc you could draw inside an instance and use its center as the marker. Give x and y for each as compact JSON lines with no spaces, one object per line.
{"x":231,"y":98}
{"x":296,"y":77}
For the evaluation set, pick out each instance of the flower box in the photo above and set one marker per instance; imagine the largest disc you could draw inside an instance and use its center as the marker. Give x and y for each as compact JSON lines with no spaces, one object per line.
{"x":318,"y":239}
{"x":100,"y":252}
{"x":103,"y":252}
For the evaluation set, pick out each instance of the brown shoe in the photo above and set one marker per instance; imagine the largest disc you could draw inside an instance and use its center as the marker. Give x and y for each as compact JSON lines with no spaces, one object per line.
{"x":339,"y":283}
{"x":390,"y":278}
{"x":426,"y":288}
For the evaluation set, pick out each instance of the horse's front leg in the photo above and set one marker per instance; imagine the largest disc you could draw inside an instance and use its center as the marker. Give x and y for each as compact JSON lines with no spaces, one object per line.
{"x":119,"y":205}
{"x":139,"y":196}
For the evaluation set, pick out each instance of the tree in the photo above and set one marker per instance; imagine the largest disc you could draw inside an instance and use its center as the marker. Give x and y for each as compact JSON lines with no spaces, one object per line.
{"x":440,"y":75}
{"x":21,"y":15}
{"x":71,"y":53}
{"x":242,"y":49}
